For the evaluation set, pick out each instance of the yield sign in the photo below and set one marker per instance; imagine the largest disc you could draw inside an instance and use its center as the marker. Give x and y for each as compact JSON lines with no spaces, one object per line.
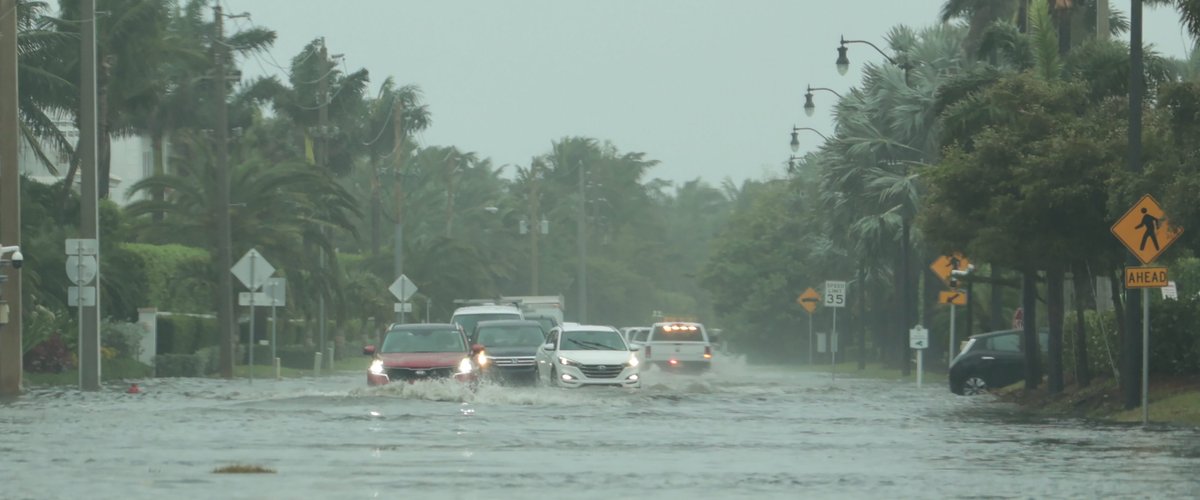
{"x":946,"y":263}
{"x":808,"y":300}
{"x":1144,"y":230}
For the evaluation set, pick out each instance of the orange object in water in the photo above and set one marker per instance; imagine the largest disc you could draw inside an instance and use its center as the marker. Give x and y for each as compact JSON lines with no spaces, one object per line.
{"x":133,"y":389}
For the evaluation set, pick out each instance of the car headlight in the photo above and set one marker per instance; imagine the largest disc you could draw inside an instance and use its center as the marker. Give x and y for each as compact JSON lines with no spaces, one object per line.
{"x":633,"y":361}
{"x":464,"y":366}
{"x":483,"y":358}
{"x":376,"y":367}
{"x":567,"y":362}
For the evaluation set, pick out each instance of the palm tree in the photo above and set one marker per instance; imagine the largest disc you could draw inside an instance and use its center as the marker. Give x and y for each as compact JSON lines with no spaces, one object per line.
{"x":46,"y":95}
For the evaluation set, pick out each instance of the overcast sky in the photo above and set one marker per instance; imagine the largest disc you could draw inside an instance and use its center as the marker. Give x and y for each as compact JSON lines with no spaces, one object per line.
{"x":710,"y":88}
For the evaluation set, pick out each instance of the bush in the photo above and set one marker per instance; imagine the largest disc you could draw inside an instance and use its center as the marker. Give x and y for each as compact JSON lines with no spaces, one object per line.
{"x":179,"y":365}
{"x":175,"y":276}
{"x":124,"y":338}
{"x":211,"y":356}
{"x":295,"y":356}
{"x":50,"y":356}
{"x":1174,"y":345}
{"x":184,"y":334}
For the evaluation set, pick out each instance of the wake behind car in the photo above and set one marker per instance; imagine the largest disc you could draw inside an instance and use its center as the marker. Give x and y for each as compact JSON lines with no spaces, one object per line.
{"x":587,"y":355}
{"x":509,"y":349}
{"x":421,"y":351}
{"x":678,"y":346}
{"x":990,"y":361}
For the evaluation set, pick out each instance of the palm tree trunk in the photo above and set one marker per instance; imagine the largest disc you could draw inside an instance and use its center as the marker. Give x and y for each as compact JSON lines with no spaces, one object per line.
{"x":1083,"y":371}
{"x":103,"y":142}
{"x":861,"y":326}
{"x":996,"y":301}
{"x":376,"y":209}
{"x":450,"y":201}
{"x":1023,"y":17}
{"x":1033,"y":372}
{"x":156,"y":145}
{"x":1054,"y":312}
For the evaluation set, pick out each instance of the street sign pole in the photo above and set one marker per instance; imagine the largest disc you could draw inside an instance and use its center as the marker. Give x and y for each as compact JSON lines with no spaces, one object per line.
{"x":1145,"y":356}
{"x":251,"y":343}
{"x":810,"y":339}
{"x":950,"y":356}
{"x":833,"y":349}
{"x":920,"y":366}
{"x":403,"y":285}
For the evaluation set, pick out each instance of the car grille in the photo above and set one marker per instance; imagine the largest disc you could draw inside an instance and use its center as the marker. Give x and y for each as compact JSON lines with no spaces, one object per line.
{"x":515,"y":361}
{"x":418,"y":373}
{"x":601,"y":371}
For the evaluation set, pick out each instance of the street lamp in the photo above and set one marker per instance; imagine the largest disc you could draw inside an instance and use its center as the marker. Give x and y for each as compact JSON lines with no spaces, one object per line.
{"x":809,"y":107}
{"x":843,"y":62}
{"x":795,"y":144}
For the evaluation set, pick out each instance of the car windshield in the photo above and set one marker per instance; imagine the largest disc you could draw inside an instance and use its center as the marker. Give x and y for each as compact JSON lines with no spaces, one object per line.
{"x":511,"y":336}
{"x":547,"y":322}
{"x":592,"y":340}
{"x":469,"y":321}
{"x":677,"y":333}
{"x":441,"y":340}
{"x":640,"y":335}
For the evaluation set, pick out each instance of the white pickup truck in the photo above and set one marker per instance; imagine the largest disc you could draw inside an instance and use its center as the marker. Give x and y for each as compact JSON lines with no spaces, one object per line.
{"x":677,"y":346}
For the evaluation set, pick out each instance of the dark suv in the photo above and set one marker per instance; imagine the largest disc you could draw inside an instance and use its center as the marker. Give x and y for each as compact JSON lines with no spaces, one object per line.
{"x":991,"y":360}
{"x":509,"y":347}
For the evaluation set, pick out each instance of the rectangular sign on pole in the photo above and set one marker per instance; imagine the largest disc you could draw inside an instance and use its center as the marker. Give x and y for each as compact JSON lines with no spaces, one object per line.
{"x":1170,"y":292}
{"x":835,"y":294}
{"x":405,"y":307}
{"x":821,"y":339}
{"x":1146,"y":277}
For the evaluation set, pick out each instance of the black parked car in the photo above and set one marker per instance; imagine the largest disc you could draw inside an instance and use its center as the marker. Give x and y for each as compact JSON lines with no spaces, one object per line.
{"x":991,"y":360}
{"x":509,"y":347}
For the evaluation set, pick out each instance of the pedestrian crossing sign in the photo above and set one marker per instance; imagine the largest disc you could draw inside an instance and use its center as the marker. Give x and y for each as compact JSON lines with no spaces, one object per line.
{"x":1145,"y":230}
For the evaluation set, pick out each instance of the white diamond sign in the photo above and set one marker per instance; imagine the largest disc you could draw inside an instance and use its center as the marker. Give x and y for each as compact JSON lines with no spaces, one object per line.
{"x":403,"y":288}
{"x":252,"y":269}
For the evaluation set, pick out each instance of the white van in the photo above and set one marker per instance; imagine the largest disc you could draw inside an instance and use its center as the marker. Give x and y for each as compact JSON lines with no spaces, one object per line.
{"x":468,"y":317}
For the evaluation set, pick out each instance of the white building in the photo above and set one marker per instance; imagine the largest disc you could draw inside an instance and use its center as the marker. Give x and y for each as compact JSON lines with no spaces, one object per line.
{"x":132,"y":160}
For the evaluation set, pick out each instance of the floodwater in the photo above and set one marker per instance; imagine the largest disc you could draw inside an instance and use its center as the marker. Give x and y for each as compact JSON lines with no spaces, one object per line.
{"x":740,"y":431}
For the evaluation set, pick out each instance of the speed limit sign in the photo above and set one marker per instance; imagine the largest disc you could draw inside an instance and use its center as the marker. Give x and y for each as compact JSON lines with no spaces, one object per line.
{"x":835,"y":294}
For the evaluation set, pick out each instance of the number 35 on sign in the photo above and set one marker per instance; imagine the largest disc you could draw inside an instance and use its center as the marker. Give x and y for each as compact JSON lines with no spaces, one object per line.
{"x":835,"y":294}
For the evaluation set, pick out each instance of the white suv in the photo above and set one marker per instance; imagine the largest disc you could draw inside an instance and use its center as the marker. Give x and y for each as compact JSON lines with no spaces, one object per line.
{"x":468,"y":317}
{"x":577,"y":355}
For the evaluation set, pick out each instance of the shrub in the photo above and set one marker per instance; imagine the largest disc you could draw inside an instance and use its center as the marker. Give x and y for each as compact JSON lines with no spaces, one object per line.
{"x":1174,"y":345}
{"x":179,"y":365}
{"x":211,"y":356}
{"x":295,"y":356}
{"x":124,"y":338}
{"x":50,"y":356}
{"x":184,"y":334}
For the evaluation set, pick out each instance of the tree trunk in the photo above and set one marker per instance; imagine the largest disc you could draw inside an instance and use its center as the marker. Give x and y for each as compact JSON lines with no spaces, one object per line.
{"x":376,"y":209}
{"x":156,"y":146}
{"x":1033,"y":371}
{"x":450,"y":200}
{"x":103,"y":142}
{"x":861,"y":304}
{"x":996,"y":302}
{"x":1054,"y":312}
{"x":1023,"y":17}
{"x":1115,"y":285}
{"x":895,"y":351}
{"x":1083,"y":371}
{"x":931,"y":284}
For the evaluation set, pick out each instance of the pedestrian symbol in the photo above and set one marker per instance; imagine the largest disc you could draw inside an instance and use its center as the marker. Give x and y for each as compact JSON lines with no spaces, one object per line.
{"x":943,"y":265}
{"x":1145,"y":230}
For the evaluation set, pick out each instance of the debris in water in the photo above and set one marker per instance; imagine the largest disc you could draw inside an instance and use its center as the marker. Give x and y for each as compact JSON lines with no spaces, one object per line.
{"x":243,"y":469}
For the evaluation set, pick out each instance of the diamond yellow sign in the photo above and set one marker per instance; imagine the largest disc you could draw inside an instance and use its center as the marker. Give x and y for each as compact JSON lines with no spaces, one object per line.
{"x":947,"y":263}
{"x":808,"y":300}
{"x":1145,"y":231}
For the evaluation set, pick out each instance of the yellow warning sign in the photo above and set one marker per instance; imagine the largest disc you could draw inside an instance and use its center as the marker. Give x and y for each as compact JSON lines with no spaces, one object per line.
{"x":943,"y":265}
{"x":1145,"y":277}
{"x":1145,"y":231}
{"x":808,"y":300}
{"x":956,"y":297}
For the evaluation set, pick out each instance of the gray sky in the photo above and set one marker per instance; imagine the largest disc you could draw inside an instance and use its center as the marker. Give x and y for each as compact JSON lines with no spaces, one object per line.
{"x":710,"y":88}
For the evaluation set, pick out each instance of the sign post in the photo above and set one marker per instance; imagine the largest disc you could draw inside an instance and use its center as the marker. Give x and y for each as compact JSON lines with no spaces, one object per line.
{"x":252,"y":270}
{"x":918,"y":338}
{"x":954,"y":298}
{"x":403,"y":289}
{"x":82,"y":267}
{"x":835,"y":297}
{"x":944,"y":267}
{"x":277,"y":291}
{"x":1145,"y":231}
{"x":808,"y":300}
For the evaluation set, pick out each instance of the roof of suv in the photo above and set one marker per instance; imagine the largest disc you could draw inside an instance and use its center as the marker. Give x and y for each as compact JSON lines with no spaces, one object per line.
{"x":508,"y":322}
{"x":491,"y":309}
{"x":422,"y":326}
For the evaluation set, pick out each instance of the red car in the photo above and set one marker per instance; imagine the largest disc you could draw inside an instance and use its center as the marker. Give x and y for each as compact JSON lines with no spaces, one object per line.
{"x":422,"y":351}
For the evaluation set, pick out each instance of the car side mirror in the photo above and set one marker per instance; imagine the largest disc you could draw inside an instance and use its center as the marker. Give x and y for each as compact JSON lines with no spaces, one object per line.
{"x":369,"y":350}
{"x":634,"y":346}
{"x":549,"y":346}
{"x":476,"y":348}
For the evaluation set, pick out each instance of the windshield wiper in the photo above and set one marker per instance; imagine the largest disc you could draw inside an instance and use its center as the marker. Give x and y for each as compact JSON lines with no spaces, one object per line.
{"x":591,"y":346}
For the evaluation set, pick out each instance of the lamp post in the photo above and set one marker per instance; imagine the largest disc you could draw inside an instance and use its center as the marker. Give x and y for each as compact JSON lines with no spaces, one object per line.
{"x":795,"y":144}
{"x":581,"y":238}
{"x":542,"y":228}
{"x":809,"y":107}
{"x":843,"y":65}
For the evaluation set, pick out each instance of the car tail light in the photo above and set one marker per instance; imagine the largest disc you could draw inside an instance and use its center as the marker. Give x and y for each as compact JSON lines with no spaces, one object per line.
{"x":707,"y":352}
{"x":673,"y":362}
{"x":647,"y":352}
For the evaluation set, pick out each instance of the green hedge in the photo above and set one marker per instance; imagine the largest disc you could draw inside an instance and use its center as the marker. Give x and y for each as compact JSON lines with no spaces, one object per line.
{"x":179,"y":334}
{"x":179,"y":365}
{"x":174,"y":275}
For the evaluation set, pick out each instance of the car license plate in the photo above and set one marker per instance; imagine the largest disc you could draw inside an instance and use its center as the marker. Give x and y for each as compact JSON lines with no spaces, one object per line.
{"x":420,"y":372}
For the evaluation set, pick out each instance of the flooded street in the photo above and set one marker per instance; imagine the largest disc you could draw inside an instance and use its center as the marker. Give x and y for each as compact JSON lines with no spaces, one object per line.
{"x":739,"y":431}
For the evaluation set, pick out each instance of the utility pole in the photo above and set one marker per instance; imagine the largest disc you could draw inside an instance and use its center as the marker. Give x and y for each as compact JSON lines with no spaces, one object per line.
{"x":224,"y":293}
{"x":398,"y":190}
{"x":10,"y":199}
{"x":1131,"y":368}
{"x":322,"y":162}
{"x":89,"y":342}
{"x":1102,"y":20}
{"x":582,"y":239}
{"x":535,"y":225}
